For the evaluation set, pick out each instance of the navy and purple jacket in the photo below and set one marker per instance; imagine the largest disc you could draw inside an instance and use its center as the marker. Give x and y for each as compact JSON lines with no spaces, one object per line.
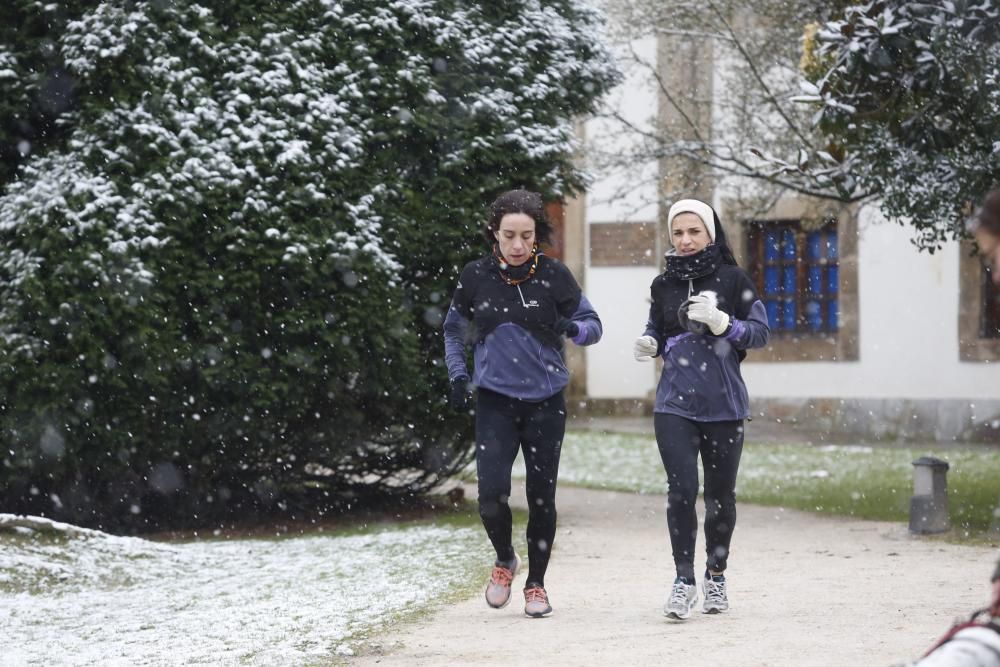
{"x":701,"y":377}
{"x":512,"y":328}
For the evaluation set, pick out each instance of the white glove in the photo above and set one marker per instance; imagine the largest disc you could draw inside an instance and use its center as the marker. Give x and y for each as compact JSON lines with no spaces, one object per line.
{"x":703,"y":308}
{"x":645,"y":348}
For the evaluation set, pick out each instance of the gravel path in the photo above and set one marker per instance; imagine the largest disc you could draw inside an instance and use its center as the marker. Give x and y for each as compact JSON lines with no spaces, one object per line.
{"x":804,"y":590}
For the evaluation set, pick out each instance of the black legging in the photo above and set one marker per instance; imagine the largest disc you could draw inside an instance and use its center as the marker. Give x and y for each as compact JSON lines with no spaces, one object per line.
{"x":504,"y":424}
{"x":720,"y":443}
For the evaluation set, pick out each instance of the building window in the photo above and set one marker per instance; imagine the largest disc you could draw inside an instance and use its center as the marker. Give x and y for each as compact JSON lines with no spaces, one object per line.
{"x":797,"y":273}
{"x":978,"y":309}
{"x":813,"y":290}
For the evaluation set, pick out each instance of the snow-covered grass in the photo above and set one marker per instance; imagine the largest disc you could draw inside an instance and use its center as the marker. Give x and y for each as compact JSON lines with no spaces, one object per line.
{"x":72,"y":596}
{"x":866,"y":482}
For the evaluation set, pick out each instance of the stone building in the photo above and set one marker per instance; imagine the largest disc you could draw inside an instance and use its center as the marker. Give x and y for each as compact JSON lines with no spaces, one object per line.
{"x":871,"y":339}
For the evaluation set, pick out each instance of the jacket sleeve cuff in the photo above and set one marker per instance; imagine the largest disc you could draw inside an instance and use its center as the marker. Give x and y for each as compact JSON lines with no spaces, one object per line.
{"x":735,"y":330}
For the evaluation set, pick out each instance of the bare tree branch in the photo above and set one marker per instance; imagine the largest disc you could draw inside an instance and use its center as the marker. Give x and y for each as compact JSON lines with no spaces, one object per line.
{"x":666,"y":93}
{"x":692,"y":33}
{"x":755,"y":81}
{"x":753,"y":68}
{"x":722,"y":158}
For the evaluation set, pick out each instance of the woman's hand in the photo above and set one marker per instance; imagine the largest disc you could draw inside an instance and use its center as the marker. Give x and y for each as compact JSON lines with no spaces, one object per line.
{"x":703,"y":308}
{"x":568,"y":328}
{"x":459,"y":394}
{"x":645,"y":348}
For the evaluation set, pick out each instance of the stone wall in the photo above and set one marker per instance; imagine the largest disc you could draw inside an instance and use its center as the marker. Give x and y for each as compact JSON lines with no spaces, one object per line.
{"x":858,"y":420}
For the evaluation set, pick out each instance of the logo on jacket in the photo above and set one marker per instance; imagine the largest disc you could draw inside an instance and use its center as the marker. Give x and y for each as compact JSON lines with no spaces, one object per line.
{"x":527,"y":304}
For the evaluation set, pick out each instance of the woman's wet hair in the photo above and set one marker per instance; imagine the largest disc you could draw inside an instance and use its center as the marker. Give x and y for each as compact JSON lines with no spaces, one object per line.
{"x":519,"y":201}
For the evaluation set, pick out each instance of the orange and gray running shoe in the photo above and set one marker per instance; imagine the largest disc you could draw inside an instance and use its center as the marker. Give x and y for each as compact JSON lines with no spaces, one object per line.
{"x":498,"y":588}
{"x":536,"y":602}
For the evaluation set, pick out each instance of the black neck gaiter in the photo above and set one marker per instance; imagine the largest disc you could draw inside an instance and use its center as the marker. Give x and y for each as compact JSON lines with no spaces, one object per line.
{"x":689,"y":267}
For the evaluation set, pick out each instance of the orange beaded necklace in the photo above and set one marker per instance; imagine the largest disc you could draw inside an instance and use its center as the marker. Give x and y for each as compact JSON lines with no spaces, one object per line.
{"x":502,"y":266}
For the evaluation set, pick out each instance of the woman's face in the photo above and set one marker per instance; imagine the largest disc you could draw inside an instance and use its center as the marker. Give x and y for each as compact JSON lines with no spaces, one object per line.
{"x":989,"y":249}
{"x":689,"y":234}
{"x":516,"y":237}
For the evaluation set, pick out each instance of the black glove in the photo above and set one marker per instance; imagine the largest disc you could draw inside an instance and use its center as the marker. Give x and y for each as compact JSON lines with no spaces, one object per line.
{"x":459,"y":394}
{"x":567,"y":328}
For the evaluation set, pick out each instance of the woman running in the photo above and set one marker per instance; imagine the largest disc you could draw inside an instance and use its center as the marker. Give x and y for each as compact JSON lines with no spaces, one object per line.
{"x":516,"y":306}
{"x":704,"y":314}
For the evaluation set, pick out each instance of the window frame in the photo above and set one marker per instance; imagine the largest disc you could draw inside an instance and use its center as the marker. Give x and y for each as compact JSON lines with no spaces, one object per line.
{"x":841,"y":346}
{"x":973,"y":293}
{"x":757,"y":231}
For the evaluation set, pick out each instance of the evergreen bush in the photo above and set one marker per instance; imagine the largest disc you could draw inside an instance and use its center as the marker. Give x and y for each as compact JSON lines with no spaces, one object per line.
{"x":222,"y":288}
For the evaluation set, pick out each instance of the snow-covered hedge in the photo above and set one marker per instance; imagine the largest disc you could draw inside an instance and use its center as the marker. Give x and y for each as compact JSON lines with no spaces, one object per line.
{"x":222,"y":290}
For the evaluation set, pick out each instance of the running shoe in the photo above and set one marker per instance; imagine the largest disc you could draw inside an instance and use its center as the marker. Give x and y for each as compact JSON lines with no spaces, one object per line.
{"x":715,"y":594}
{"x":498,"y":588}
{"x":536,"y":602}
{"x":682,"y":599}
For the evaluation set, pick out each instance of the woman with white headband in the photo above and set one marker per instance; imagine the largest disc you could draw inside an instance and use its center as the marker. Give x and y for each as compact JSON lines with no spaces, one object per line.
{"x":704,"y":315}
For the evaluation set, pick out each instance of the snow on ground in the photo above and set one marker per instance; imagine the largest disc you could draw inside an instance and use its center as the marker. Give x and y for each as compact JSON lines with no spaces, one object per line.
{"x":70,"y":596}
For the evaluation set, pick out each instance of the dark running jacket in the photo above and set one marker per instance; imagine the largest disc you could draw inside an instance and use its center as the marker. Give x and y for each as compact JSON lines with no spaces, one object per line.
{"x":512,"y":328}
{"x":701,"y":377}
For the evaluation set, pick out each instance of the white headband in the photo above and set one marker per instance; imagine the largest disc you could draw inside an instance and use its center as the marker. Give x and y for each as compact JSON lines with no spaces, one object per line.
{"x":701,"y":209}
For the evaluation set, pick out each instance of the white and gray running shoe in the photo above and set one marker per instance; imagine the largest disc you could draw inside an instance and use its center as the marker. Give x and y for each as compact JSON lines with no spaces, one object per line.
{"x":716,"y":601}
{"x":682,"y":599}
